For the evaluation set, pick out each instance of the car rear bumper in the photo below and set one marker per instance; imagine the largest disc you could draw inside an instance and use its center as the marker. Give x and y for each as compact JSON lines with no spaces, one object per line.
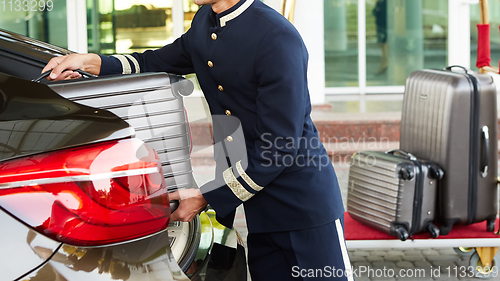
{"x":220,"y":253}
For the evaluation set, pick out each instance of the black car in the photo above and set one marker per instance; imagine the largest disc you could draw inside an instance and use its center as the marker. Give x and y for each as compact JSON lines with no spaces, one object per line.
{"x":86,"y":167}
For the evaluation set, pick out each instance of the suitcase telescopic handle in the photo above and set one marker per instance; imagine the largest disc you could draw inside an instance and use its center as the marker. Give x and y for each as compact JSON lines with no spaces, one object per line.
{"x":485,"y":139}
{"x":46,"y":73}
{"x":402,"y":153}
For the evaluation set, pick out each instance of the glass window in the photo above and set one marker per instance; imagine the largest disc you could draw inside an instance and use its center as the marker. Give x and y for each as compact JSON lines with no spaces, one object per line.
{"x":48,"y":25}
{"x":13,"y":21}
{"x":494,"y":16}
{"x":341,"y":43}
{"x":128,"y":26}
{"x":403,"y":36}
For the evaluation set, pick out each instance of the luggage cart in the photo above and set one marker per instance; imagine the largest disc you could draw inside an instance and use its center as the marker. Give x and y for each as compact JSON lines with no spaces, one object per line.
{"x":467,"y":240}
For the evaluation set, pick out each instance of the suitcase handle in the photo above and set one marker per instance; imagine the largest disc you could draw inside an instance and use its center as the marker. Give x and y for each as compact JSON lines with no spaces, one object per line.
{"x":450,"y":68}
{"x":402,"y":153}
{"x":46,"y":73}
{"x":485,"y":138}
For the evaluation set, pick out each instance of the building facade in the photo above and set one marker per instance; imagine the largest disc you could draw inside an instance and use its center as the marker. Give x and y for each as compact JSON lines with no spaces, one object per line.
{"x":361,"y":51}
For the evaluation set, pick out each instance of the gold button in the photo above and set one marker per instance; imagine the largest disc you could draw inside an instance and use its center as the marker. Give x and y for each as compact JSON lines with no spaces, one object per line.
{"x":230,"y":139}
{"x":221,"y":88}
{"x":214,"y":36}
{"x":210,"y":64}
{"x":228,"y":113}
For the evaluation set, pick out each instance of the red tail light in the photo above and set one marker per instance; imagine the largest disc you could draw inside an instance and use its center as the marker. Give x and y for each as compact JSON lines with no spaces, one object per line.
{"x":87,"y":196}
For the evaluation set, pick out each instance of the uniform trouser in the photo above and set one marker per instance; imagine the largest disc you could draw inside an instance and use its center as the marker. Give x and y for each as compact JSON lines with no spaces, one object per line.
{"x":310,"y":254}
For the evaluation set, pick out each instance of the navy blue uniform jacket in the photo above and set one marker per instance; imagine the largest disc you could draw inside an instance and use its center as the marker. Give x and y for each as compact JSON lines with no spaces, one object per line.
{"x":251,"y":64}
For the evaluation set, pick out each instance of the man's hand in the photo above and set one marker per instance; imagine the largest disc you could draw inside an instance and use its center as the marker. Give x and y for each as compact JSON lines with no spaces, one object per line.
{"x":191,"y":203}
{"x":90,"y":63}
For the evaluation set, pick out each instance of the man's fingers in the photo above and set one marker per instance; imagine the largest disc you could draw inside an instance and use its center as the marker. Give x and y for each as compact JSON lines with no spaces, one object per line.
{"x":183,"y":194}
{"x":182,"y":214}
{"x":191,"y":202}
{"x":87,"y":62}
{"x":57,"y":72}
{"x":189,"y":193}
{"x":71,"y":62}
{"x":75,"y":75}
{"x":66,"y":75}
{"x":179,"y":214}
{"x":174,"y":216}
{"x":174,"y":196}
{"x":69,"y":74}
{"x":53,"y":63}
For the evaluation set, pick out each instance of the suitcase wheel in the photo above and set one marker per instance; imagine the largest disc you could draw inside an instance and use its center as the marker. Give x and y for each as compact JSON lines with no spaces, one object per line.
{"x":445,"y":230}
{"x":406,"y":173}
{"x":434,"y":230}
{"x":402,"y":233}
{"x":490,"y":225}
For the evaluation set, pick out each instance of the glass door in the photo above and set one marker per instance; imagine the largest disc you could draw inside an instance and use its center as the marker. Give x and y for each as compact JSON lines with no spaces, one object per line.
{"x":403,"y":36}
{"x":341,"y":43}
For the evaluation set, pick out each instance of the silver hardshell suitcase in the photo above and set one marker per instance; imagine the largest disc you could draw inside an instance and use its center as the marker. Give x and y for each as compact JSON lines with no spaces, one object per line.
{"x":151,"y":103}
{"x":450,"y":118}
{"x":393,"y":192}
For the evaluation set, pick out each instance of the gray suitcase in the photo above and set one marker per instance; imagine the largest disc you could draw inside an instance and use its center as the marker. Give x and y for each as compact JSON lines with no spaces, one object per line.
{"x":152,"y":104}
{"x":393,"y":192}
{"x":450,"y":118}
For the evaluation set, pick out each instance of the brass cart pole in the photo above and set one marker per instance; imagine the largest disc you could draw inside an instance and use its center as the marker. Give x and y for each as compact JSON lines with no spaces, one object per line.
{"x":288,"y":9}
{"x":483,"y":9}
{"x":486,"y":254}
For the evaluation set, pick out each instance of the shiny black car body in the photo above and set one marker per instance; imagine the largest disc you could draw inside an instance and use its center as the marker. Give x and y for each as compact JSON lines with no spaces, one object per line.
{"x":85,"y":170}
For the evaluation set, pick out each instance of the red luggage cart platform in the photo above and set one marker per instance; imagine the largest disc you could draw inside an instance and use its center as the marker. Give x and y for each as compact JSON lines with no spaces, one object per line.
{"x":358,"y":235}
{"x":465,"y":238}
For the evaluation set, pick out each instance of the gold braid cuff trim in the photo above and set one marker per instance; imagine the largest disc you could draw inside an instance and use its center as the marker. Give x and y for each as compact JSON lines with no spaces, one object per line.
{"x":235,"y":186}
{"x":246,"y":178}
{"x":135,"y":62}
{"x":126,"y":68}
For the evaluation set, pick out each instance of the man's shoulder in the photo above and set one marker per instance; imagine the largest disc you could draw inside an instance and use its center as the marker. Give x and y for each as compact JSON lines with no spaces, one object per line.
{"x":272,"y":24}
{"x":205,"y":9}
{"x":203,"y":12}
{"x":263,"y":12}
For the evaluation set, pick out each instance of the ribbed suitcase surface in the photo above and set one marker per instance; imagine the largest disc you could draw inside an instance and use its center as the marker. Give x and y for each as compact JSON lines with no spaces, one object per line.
{"x":423,"y":128}
{"x":147,"y":103}
{"x":391,"y":193}
{"x":451,"y":118}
